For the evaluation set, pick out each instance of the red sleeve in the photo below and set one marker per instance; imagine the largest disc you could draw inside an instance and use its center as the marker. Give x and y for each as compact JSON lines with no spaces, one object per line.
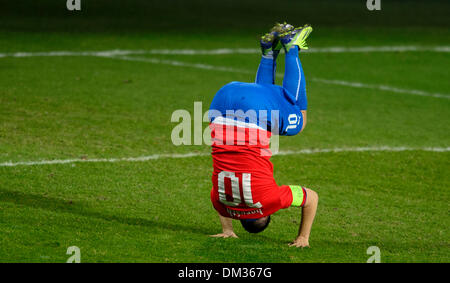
{"x":285,"y":196}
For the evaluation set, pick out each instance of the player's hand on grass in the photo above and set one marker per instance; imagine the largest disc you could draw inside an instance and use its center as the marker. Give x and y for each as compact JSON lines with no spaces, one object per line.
{"x":300,"y":242}
{"x":230,"y":234}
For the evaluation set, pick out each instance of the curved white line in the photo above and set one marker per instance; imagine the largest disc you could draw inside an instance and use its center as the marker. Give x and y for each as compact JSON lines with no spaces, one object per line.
{"x":200,"y":154}
{"x":223,"y":51}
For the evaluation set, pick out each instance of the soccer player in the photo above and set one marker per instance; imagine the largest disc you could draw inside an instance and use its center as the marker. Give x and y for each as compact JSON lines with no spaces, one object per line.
{"x":243,"y":116}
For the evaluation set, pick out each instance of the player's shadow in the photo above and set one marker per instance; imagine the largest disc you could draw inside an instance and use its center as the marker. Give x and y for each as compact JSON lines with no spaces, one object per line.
{"x":61,"y":205}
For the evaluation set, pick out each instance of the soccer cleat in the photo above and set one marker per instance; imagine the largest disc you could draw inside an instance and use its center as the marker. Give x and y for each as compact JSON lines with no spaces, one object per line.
{"x":279,"y":29}
{"x":271,"y":41}
{"x":267,"y":42}
{"x":296,"y":37}
{"x":282,"y":28}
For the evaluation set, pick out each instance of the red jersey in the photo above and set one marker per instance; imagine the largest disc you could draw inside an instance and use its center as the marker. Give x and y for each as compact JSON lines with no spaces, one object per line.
{"x":243,"y":183}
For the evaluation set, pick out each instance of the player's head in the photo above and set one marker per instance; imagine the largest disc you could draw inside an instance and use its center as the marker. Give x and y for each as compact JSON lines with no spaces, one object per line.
{"x":255,"y":225}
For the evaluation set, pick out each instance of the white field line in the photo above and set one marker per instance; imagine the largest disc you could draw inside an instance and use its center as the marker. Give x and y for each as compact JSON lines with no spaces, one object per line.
{"x":121,"y":54}
{"x":382,"y":87}
{"x":325,"y":81}
{"x":181,"y":64}
{"x":188,"y":155}
{"x":222,"y":51}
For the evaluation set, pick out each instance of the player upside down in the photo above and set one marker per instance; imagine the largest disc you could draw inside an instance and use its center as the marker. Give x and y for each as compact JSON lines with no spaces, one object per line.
{"x":242,"y":117}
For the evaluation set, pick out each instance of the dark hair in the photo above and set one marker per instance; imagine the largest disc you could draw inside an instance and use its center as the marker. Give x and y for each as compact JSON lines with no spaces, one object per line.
{"x":255,"y":225}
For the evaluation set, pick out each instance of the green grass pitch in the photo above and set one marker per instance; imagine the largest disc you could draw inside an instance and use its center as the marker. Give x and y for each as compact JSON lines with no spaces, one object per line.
{"x":86,"y":107}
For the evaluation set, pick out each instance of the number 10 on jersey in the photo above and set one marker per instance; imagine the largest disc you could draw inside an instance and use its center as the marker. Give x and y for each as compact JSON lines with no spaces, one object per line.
{"x":236,"y":189}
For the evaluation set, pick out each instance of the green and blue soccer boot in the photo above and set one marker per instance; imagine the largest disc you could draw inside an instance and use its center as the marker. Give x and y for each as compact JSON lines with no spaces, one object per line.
{"x":270,"y":42}
{"x":278,"y":30}
{"x":296,"y":37}
{"x":267,"y":42}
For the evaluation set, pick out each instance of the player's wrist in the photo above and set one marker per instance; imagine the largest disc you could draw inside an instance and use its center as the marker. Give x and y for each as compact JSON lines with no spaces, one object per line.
{"x":303,"y":237}
{"x":228,"y":231}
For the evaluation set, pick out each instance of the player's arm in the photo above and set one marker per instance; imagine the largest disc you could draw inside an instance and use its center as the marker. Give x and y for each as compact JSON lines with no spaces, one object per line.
{"x":304,"y":119}
{"x":227,"y":228}
{"x":292,"y":121}
{"x":308,"y":214}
